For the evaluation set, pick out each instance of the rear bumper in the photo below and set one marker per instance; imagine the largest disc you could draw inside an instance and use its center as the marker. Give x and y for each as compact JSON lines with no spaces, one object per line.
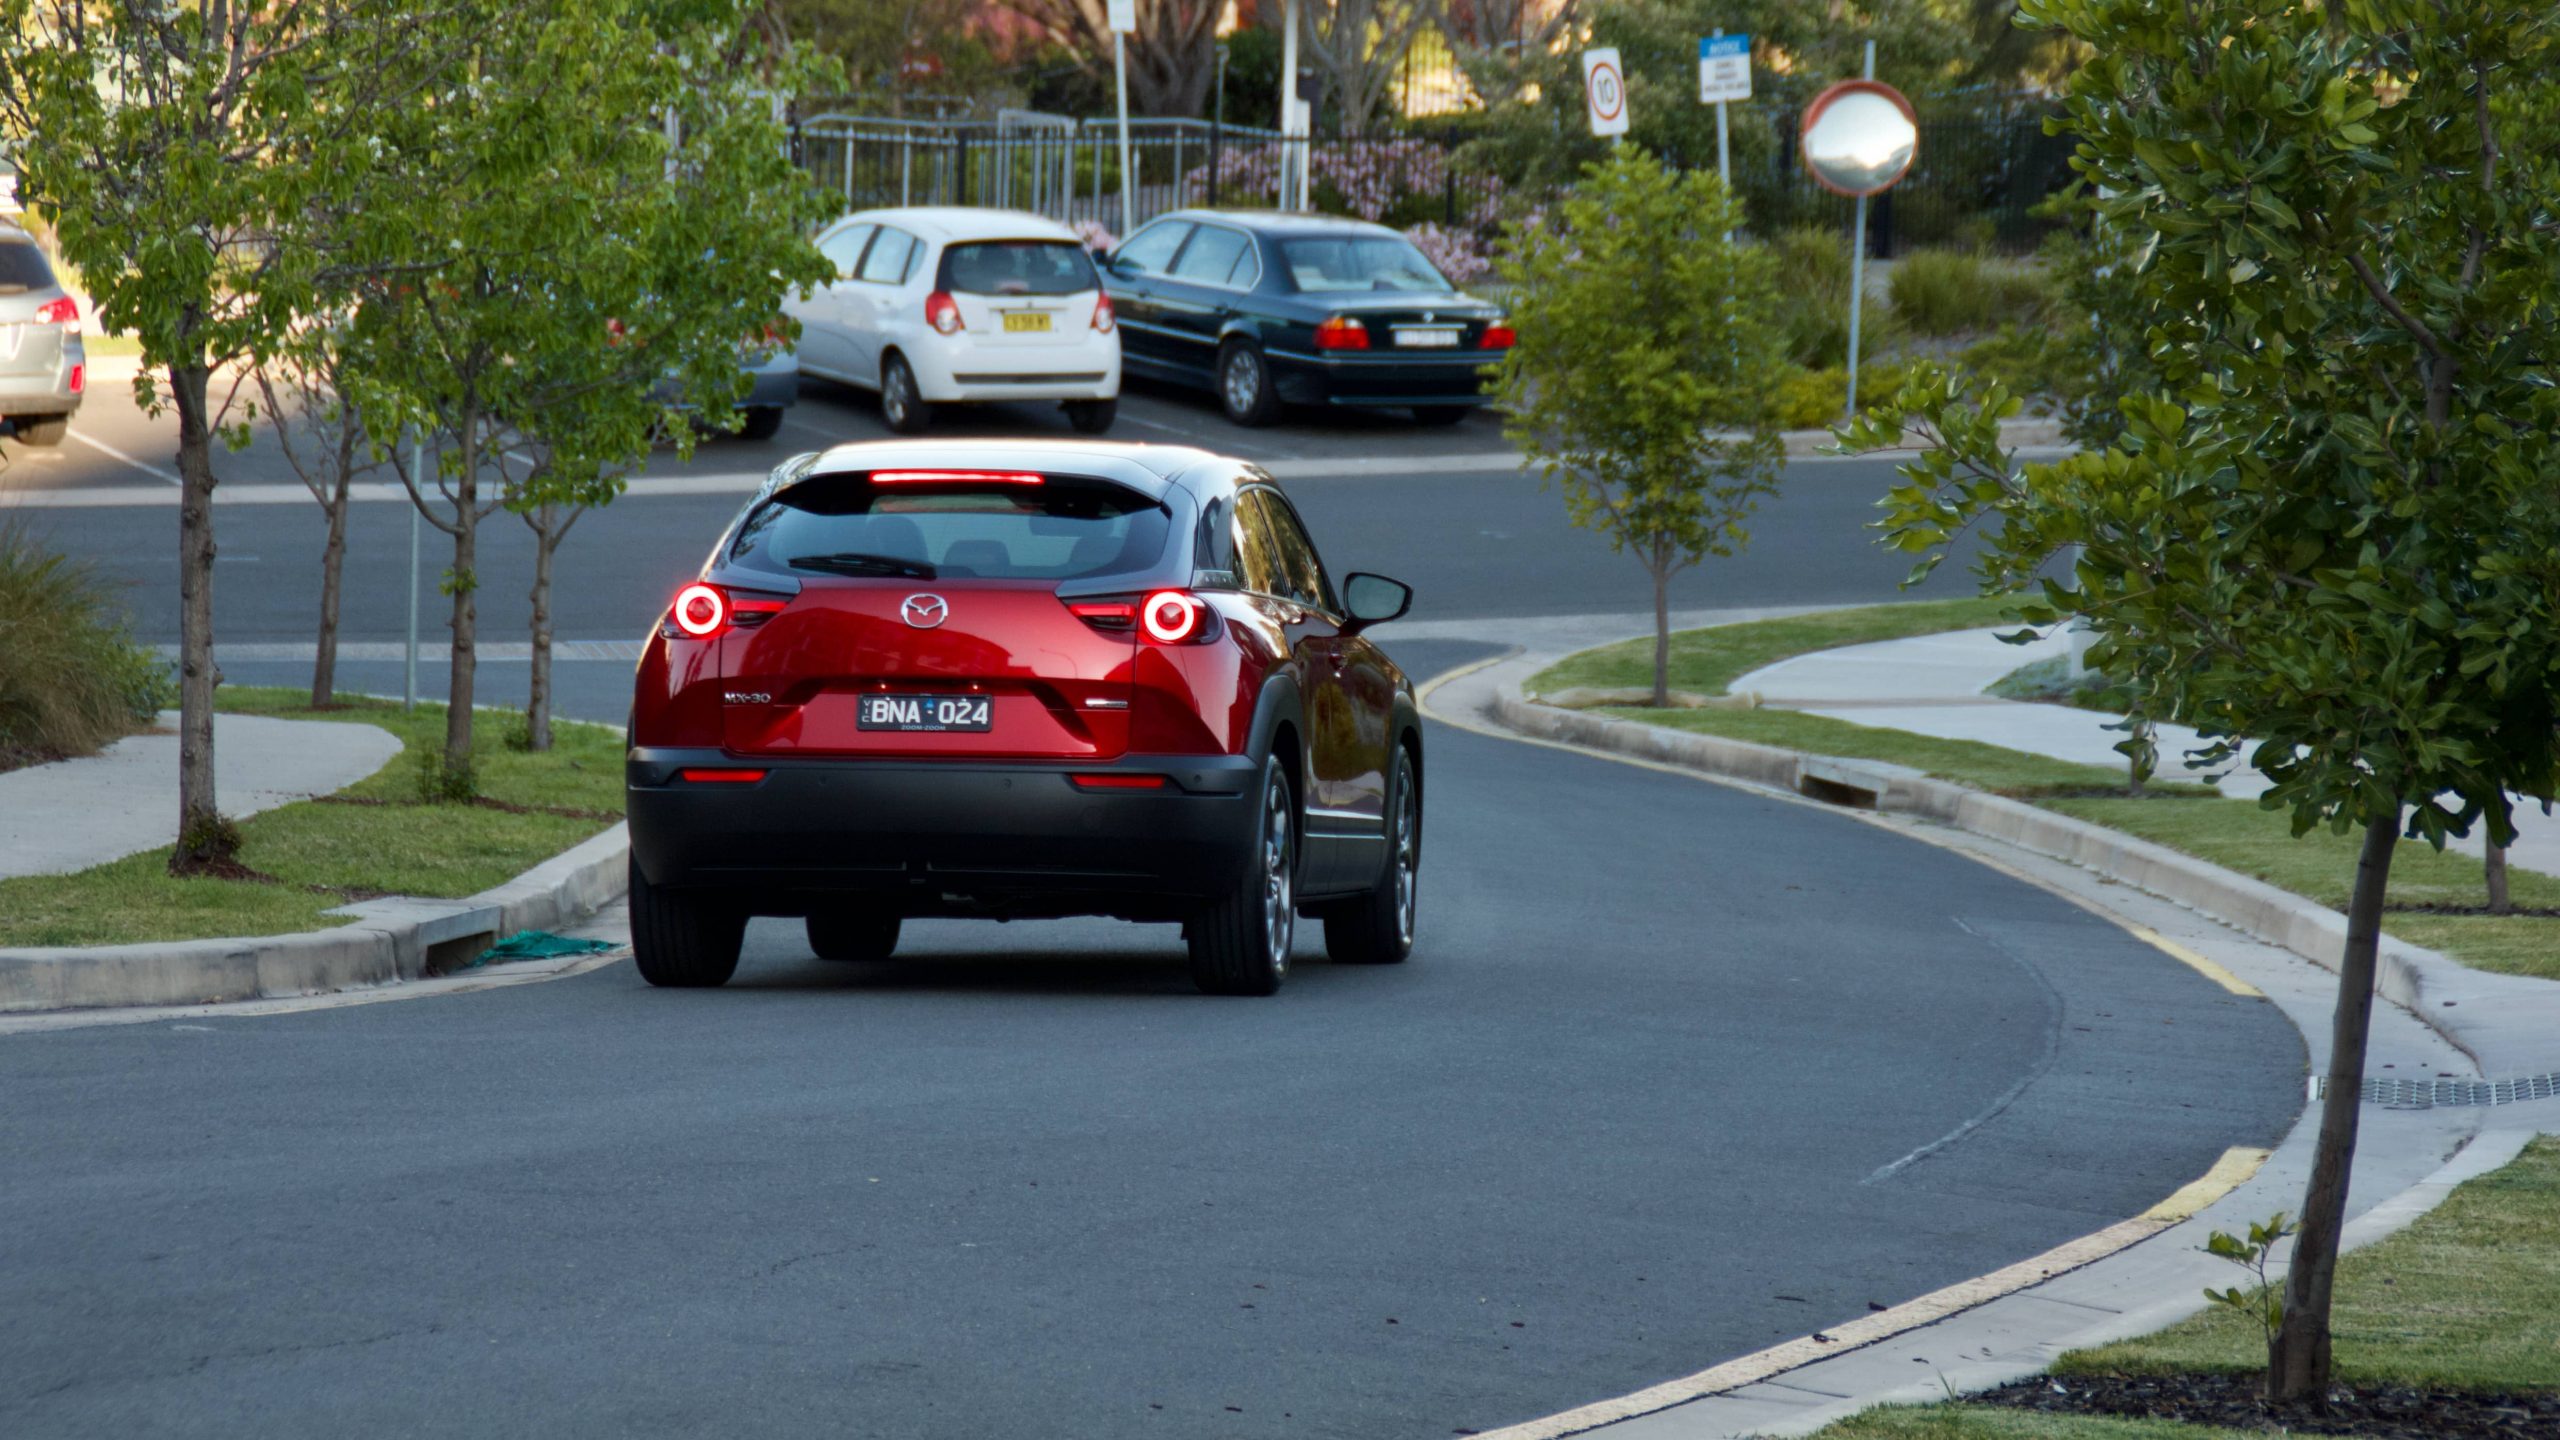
{"x":1010,"y":838}
{"x":47,"y":393}
{"x":962,"y":370}
{"x":1383,"y":380}
{"x":772,"y":384}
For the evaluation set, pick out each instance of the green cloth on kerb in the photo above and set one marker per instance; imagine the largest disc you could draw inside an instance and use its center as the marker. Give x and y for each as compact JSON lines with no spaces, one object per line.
{"x":537,"y":945}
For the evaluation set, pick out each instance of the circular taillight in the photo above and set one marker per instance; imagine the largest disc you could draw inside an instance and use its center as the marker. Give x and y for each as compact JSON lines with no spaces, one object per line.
{"x":700,"y":609}
{"x":1171,"y":617}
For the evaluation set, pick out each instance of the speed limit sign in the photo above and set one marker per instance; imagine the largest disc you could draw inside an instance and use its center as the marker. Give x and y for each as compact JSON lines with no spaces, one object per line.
{"x":1604,"y":82}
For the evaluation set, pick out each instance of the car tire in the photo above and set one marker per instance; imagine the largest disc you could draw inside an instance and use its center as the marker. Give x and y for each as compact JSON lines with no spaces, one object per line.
{"x":1240,"y":941}
{"x":902,"y":405}
{"x":48,"y":431}
{"x":1441,"y":414}
{"x":682,"y":941}
{"x":1377,"y":928}
{"x":1092,"y":417}
{"x":763,"y":423}
{"x":1244,"y":385}
{"x":852,"y":933}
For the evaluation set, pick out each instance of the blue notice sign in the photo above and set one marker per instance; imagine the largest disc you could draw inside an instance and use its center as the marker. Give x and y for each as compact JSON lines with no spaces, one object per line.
{"x":1724,"y":68}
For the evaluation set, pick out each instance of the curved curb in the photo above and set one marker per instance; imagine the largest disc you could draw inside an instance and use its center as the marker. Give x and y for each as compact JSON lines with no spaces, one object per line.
{"x":2424,"y":983}
{"x":393,"y":939}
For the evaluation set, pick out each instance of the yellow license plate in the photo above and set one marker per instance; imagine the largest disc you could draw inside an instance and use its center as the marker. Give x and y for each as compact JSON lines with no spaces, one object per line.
{"x":1019,"y":320}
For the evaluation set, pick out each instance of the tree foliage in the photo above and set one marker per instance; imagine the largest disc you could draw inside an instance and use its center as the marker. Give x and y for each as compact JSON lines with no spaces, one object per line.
{"x":2331,"y":528}
{"x":1640,"y":378}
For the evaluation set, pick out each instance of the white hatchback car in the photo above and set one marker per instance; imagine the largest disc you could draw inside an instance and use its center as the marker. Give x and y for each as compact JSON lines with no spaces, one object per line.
{"x":939,"y":304}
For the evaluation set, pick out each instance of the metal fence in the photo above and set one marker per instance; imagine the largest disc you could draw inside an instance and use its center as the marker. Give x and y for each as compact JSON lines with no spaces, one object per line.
{"x":1977,"y":180}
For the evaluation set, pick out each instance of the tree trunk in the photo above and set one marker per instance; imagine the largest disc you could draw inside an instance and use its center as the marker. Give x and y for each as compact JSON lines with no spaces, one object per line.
{"x":2298,"y":1357}
{"x":324,"y":660}
{"x":1661,"y":630}
{"x":463,"y":669}
{"x":537,"y":705}
{"x":205,"y":841}
{"x":2499,"y":903}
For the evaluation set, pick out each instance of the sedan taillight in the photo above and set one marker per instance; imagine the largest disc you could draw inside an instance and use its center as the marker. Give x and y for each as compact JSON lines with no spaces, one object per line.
{"x":942,"y":313}
{"x":1498,"y":336}
{"x":1341,"y":332}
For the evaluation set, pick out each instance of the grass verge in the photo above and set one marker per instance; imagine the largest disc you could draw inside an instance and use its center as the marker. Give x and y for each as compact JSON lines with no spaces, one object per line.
{"x":2458,"y":1301}
{"x":2425,"y":883}
{"x":372,"y":838}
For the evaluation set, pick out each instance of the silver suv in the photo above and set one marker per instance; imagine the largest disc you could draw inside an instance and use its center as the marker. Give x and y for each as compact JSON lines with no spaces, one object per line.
{"x":43,"y":367}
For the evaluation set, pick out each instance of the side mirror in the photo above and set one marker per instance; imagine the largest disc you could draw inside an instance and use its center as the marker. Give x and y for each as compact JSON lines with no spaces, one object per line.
{"x":1374,"y":599}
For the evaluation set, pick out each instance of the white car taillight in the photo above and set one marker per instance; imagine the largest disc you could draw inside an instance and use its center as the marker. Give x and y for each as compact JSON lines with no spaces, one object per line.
{"x":942,"y":313}
{"x":1103,"y":319}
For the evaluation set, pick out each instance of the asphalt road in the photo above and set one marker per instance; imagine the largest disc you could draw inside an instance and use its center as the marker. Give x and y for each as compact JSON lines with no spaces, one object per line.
{"x":1623,"y":1116}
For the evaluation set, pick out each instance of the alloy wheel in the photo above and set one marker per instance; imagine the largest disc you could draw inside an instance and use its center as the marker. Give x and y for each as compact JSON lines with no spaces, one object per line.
{"x":1243,"y":382}
{"x":1408,"y":857}
{"x":1279,"y":887}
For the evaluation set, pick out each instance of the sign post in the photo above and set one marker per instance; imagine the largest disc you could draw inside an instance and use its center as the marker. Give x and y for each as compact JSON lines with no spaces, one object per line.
{"x":1604,"y":85}
{"x":1724,"y":76}
{"x":1124,"y":18}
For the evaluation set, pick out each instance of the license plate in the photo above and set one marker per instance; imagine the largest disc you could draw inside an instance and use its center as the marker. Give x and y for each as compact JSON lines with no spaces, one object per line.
{"x":923,"y":712}
{"x":1016,"y":321}
{"x":1428,"y":339}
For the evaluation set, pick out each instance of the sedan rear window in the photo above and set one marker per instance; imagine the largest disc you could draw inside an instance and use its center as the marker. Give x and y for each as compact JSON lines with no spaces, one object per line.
{"x":1017,"y":267}
{"x":1064,"y":528}
{"x":1335,"y":263}
{"x":22,"y":267}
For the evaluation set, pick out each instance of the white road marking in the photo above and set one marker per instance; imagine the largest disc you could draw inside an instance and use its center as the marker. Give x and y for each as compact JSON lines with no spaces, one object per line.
{"x":104,"y":448}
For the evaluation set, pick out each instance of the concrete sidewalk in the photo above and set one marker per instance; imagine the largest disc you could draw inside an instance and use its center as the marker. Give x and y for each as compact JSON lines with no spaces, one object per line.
{"x":73,"y":814}
{"x":1934,"y":684}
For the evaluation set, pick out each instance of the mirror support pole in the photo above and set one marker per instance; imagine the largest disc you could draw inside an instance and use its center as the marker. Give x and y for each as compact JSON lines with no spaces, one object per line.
{"x":1858,"y":274}
{"x":1120,"y":84}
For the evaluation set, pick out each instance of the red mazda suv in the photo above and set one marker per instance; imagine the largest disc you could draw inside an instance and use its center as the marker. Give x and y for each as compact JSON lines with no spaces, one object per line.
{"x":1023,"y":680}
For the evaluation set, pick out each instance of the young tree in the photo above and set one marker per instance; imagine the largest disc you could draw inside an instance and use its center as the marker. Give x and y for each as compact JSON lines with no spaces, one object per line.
{"x":2333,"y":529}
{"x":1640,"y":381}
{"x":197,"y":161}
{"x":1359,"y":45}
{"x":322,"y":436}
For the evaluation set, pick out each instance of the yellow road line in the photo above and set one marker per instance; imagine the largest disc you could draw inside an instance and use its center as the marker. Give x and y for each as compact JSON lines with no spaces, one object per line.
{"x":2228,"y":1174}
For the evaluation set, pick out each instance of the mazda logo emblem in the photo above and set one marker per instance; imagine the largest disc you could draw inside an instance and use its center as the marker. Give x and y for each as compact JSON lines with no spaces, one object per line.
{"x":925,"y":611}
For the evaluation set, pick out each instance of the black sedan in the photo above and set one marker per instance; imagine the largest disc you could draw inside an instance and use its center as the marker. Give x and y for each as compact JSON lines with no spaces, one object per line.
{"x":1268,"y":309}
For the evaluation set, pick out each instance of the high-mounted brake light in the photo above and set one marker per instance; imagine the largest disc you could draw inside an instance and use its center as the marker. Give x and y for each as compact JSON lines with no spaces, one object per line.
{"x":955,"y":477}
{"x":1103,"y":315}
{"x":942,"y":313}
{"x":1112,"y":781}
{"x":1341,"y":332}
{"x":703,"y":611}
{"x":1499,"y":336}
{"x":63,"y":311}
{"x":1171,"y":617}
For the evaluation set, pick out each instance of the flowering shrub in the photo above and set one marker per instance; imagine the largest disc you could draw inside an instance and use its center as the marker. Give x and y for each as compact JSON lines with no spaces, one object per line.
{"x":1092,"y":235}
{"x":1458,"y":254}
{"x":1393,"y":182}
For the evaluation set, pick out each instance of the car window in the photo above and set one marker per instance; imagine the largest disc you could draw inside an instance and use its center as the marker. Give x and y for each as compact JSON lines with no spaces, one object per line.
{"x":1257,"y":553}
{"x":1211,"y":255}
{"x":1335,"y":263}
{"x":1016,"y":267}
{"x":1065,"y":528}
{"x":1307,"y":583}
{"x":844,"y":247}
{"x":1150,"y":251}
{"x":1213,"y":567}
{"x":22,"y":267}
{"x":887,"y":262}
{"x":1247,"y":271}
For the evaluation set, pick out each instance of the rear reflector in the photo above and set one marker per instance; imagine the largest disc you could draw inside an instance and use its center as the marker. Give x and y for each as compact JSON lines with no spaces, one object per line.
{"x":1118,"y":782}
{"x":954,"y":477}
{"x":79,"y":378}
{"x":719,"y":777}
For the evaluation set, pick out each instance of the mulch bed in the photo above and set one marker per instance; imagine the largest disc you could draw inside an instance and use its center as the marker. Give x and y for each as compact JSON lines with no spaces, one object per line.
{"x":2383,"y":1412}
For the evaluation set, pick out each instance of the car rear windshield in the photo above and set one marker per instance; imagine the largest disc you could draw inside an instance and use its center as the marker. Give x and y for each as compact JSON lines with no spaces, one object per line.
{"x":22,"y":267}
{"x":1063,"y":528}
{"x":1017,"y":267}
{"x":1336,"y":263}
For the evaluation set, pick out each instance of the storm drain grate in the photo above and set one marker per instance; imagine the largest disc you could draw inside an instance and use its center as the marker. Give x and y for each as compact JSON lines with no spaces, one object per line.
{"x":2428,"y":1094}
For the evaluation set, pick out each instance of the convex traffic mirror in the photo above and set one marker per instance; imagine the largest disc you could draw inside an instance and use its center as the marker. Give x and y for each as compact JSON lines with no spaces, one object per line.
{"x":1859,"y":137}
